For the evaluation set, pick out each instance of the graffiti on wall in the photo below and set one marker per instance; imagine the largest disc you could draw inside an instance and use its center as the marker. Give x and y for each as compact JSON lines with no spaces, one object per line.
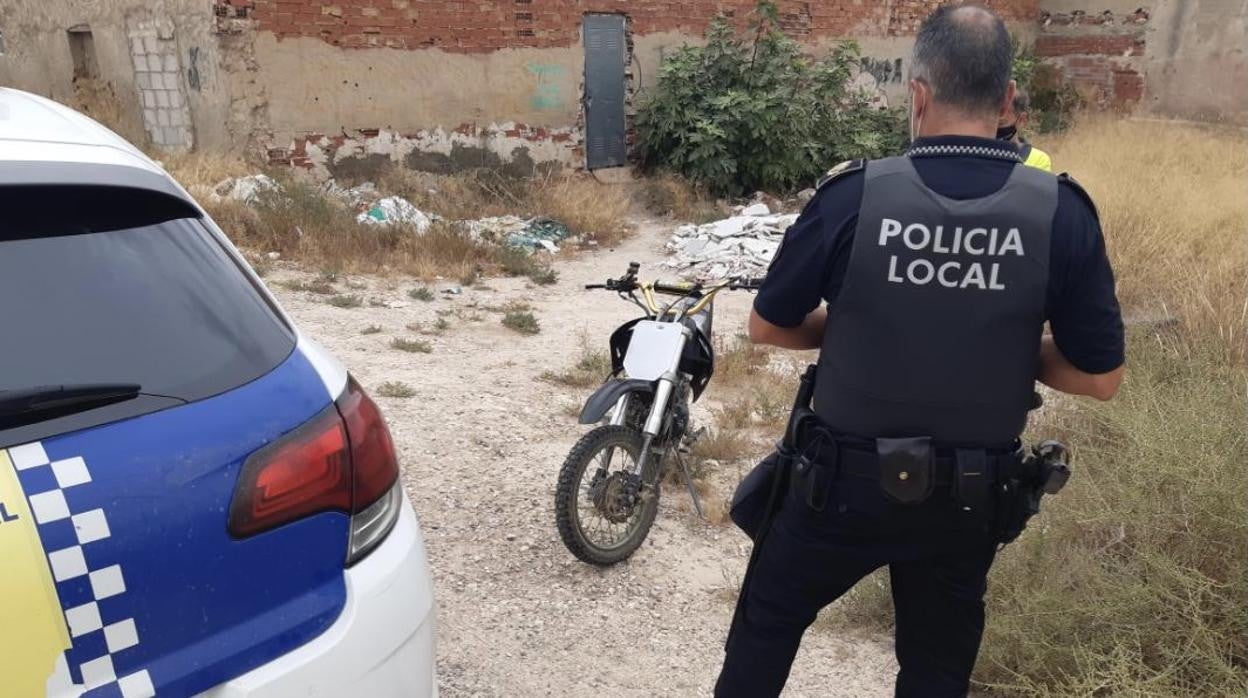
{"x":547,"y":93}
{"x":884,"y":70}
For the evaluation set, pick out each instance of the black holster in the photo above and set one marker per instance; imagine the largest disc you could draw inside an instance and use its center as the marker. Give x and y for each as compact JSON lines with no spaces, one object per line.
{"x":1043,"y":470}
{"x":761,"y":493}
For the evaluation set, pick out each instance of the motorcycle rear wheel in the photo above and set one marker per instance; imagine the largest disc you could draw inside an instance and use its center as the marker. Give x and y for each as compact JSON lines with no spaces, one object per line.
{"x":601,"y":530}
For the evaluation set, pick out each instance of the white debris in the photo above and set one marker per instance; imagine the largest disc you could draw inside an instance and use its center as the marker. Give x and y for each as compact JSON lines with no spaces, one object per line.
{"x":356,"y":197}
{"x":738,"y":246}
{"x":395,"y":210}
{"x":246,"y":189}
{"x":493,"y":229}
{"x":758,"y":209}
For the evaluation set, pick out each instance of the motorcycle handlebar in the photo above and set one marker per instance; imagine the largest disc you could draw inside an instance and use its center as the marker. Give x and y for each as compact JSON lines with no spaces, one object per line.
{"x":629,"y":283}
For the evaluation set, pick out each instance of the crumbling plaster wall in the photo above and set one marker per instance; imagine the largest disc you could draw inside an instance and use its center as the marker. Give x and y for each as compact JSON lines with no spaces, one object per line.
{"x":183,"y":38}
{"x":1171,"y":58}
{"x":1197,"y":60}
{"x":502,"y":80}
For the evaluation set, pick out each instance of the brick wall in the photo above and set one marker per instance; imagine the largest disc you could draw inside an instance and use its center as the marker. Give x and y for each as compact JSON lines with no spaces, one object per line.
{"x":473,"y":26}
{"x":1100,"y":53}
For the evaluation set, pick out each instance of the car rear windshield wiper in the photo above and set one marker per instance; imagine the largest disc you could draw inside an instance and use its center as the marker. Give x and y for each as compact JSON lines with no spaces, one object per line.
{"x":28,"y":405}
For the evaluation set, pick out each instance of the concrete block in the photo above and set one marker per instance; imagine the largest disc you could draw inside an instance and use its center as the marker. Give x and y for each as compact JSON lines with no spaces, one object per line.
{"x":151,"y":44}
{"x":162,"y":98}
{"x":144,"y":81}
{"x":171,"y":62}
{"x":162,"y":117}
{"x":140,"y":64}
{"x":176,"y":118}
{"x":175,"y":98}
{"x":171,"y":81}
{"x":149,"y":98}
{"x":136,"y":46}
{"x":149,"y":117}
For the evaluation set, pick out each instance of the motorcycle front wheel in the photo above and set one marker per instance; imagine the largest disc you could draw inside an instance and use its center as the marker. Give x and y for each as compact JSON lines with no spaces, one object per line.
{"x":598,"y":520}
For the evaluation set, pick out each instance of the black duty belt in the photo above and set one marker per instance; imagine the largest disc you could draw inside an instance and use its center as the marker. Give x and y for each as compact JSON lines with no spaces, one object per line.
{"x":908,"y":470}
{"x":852,"y":461}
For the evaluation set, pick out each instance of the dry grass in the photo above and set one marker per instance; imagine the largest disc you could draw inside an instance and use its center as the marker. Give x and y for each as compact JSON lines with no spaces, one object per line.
{"x":396,"y":389}
{"x":751,"y":394}
{"x":319,"y":287}
{"x":1134,"y":581}
{"x":522,"y":321}
{"x":592,"y":210}
{"x":345,"y":300}
{"x":674,"y":196}
{"x":303,"y":225}
{"x":516,"y":262}
{"x":719,"y":444}
{"x":423,"y":294}
{"x":1173,"y":206}
{"x":589,"y":370}
{"x":201,"y":170}
{"x":595,"y":211}
{"x":411,"y":346}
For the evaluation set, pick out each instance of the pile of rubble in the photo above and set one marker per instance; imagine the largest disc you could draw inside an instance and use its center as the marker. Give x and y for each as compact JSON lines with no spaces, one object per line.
{"x":742,"y":245}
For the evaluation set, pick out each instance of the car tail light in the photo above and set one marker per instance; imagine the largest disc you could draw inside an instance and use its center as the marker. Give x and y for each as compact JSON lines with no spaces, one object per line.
{"x":341,"y":460}
{"x":376,"y":497}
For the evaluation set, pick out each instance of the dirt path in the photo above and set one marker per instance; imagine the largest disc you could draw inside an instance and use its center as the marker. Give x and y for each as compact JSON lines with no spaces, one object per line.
{"x":480,"y":446}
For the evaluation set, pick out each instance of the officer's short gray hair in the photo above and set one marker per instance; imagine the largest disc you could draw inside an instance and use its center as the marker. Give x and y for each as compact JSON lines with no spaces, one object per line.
{"x":964,"y":54}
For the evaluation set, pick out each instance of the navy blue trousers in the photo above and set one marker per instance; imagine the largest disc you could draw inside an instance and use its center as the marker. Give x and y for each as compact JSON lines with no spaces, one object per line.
{"x":938,"y":558}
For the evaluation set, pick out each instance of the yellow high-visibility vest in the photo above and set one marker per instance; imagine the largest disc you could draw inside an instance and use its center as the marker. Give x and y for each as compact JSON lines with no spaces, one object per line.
{"x":1034,"y":157}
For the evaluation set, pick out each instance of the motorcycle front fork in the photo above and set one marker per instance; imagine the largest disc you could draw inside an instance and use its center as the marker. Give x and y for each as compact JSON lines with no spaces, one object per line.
{"x":654,"y":422}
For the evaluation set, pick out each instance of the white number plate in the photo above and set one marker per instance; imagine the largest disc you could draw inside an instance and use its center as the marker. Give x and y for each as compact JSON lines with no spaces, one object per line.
{"x":654,"y":349}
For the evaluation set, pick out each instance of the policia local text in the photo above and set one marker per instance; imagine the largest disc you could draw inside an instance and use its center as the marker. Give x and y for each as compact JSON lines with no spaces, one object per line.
{"x":952,"y":274}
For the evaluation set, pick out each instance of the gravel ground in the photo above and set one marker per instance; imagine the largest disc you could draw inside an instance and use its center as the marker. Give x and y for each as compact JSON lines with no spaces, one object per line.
{"x":481,"y":443}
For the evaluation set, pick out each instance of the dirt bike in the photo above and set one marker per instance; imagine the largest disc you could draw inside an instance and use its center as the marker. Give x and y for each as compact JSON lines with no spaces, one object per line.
{"x":608,"y":490}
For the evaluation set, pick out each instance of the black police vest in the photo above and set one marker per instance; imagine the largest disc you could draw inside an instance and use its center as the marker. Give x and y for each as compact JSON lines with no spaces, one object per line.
{"x":936,"y":330}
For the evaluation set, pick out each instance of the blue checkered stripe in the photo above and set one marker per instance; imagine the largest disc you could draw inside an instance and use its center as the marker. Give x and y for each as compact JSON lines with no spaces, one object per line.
{"x":101,"y":627}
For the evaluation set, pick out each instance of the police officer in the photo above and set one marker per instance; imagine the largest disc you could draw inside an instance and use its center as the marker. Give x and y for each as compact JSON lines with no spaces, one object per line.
{"x":1011,"y":126}
{"x":939,"y":269}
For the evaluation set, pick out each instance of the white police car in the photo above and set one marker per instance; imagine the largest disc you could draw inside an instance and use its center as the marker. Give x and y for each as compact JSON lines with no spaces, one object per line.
{"x":194,"y":498}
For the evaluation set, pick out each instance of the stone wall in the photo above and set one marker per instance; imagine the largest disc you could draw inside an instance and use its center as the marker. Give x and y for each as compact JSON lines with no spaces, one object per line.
{"x":1100,"y":53}
{"x":443,"y":84}
{"x":160,"y":74}
{"x":1171,"y":58}
{"x":490,"y":25}
{"x":501,"y":80}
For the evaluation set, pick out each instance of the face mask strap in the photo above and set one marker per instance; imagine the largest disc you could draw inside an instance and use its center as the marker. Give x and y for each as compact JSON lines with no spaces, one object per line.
{"x":916,"y":123}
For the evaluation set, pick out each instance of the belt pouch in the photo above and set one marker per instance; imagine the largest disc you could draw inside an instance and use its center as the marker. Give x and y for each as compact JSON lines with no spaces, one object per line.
{"x":972,"y":481}
{"x":907,"y":468}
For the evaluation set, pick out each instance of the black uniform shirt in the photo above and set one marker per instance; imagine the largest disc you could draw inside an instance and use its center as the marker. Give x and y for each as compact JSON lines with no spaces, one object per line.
{"x":1081,"y":308}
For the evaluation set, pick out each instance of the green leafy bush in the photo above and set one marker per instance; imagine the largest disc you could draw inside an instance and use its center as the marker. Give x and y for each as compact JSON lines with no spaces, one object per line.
{"x":753,"y":112}
{"x":1053,"y":101}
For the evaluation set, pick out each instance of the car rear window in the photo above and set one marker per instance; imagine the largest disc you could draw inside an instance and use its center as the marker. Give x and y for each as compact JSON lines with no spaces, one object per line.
{"x":159,"y":303}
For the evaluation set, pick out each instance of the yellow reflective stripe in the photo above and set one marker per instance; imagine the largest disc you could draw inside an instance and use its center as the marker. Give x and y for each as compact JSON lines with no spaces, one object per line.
{"x":32,"y":627}
{"x":1039,"y":159}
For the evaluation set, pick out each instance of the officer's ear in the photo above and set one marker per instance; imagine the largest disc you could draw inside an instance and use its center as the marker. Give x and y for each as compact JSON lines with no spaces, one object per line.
{"x":920,"y":93}
{"x":1007,"y":106}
